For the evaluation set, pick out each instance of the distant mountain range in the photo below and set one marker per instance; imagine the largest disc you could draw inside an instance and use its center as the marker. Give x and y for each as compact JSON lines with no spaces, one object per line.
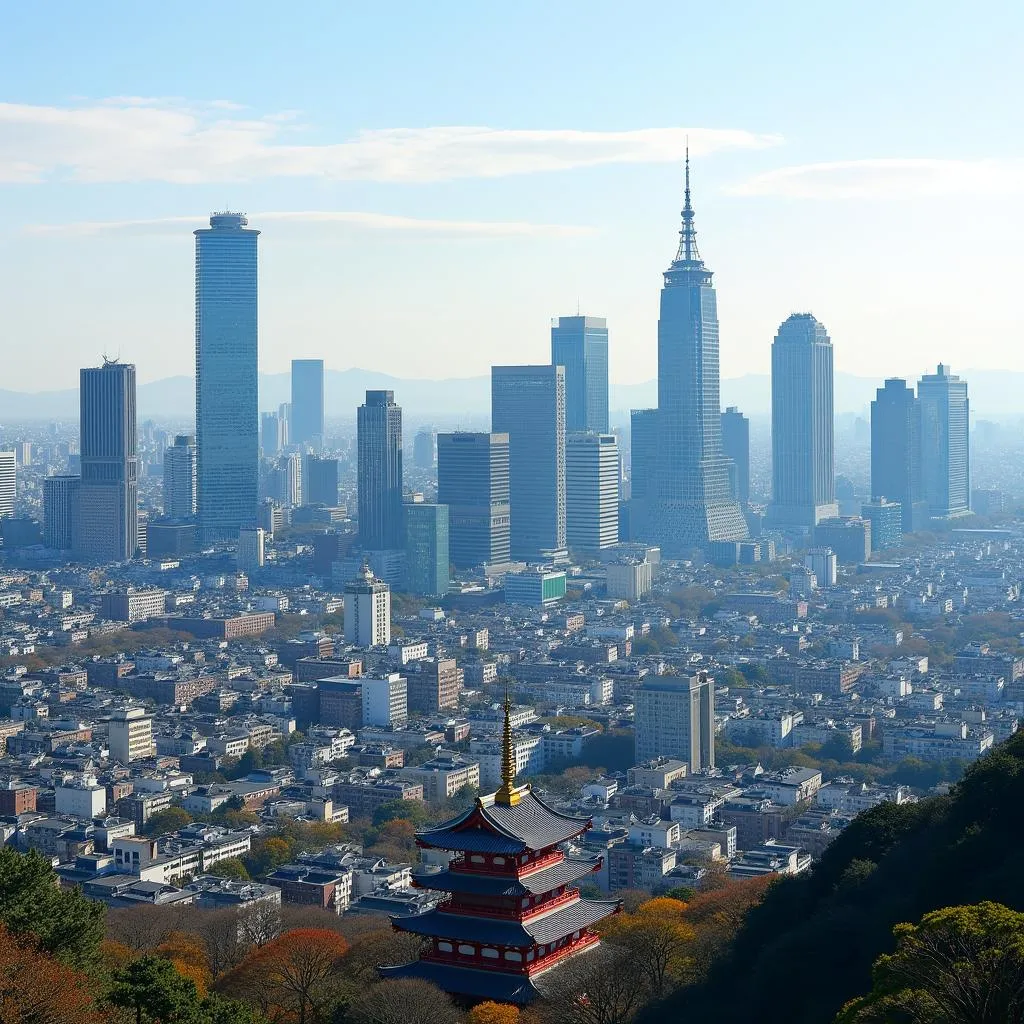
{"x":995,"y":394}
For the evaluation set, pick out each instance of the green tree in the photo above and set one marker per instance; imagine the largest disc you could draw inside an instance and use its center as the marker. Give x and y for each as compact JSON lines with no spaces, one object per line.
{"x":152,"y":989}
{"x":232,"y":867}
{"x":409,"y":810}
{"x":64,"y":922}
{"x":170,"y":819}
{"x":960,"y":965}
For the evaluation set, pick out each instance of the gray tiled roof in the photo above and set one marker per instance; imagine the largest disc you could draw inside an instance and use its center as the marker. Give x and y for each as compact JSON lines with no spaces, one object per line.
{"x":503,"y":986}
{"x":496,"y":885}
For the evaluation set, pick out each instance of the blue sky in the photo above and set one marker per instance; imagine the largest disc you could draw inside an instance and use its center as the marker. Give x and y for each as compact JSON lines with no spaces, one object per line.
{"x":434,"y":182}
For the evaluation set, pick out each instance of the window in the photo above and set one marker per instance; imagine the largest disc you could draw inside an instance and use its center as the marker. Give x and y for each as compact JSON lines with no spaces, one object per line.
{"x":445,"y":947}
{"x":517,"y":957}
{"x":491,"y":954}
{"x":467,"y":950}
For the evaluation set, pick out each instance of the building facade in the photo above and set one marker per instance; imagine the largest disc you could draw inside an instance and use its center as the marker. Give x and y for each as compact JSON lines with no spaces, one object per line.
{"x":528,"y":404}
{"x":643,"y":473}
{"x":803,"y":444}
{"x":60,"y":500}
{"x":591,"y":491}
{"x":675,"y":717}
{"x":945,"y":444}
{"x":180,"y":478}
{"x":473,"y":481}
{"x":320,"y":481}
{"x":8,"y":482}
{"x":307,"y":422}
{"x":379,"y":439}
{"x":426,"y":549}
{"x":896,"y":448}
{"x":367,"y":611}
{"x":580,"y":345}
{"x":227,"y":407}
{"x":130,"y":734}
{"x":886,"y":519}
{"x":736,"y":446}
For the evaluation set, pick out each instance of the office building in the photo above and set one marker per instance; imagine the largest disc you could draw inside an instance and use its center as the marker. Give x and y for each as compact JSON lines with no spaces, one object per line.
{"x":130,"y":735}
{"x":945,"y":445}
{"x":60,"y":499}
{"x":473,"y":481}
{"x":823,"y":564}
{"x":180,"y":478}
{"x":8,"y":482}
{"x":591,"y":492}
{"x":252,"y":548}
{"x":736,"y":446}
{"x":227,"y":411}
{"x":538,"y":587}
{"x":434,"y":686}
{"x":675,"y":717}
{"x":896,"y":449}
{"x":423,"y":449}
{"x":426,"y":549}
{"x":385,"y":700}
{"x":803,"y":457}
{"x":643,"y":473}
{"x":695,"y":505}
{"x":105,"y":523}
{"x":307,"y":406}
{"x":284,"y":482}
{"x":367,"y":611}
{"x":580,"y":345}
{"x":528,"y":404}
{"x":848,"y":536}
{"x":320,"y":481}
{"x":629,"y":579}
{"x":271,"y":434}
{"x":379,"y":430}
{"x":886,"y":519}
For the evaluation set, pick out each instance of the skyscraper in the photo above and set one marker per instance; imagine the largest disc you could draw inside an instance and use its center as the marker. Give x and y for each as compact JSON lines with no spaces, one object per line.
{"x":320,"y":481}
{"x":423,"y":449}
{"x":367,"y":611}
{"x":528,"y":404}
{"x":180,"y":478}
{"x":803,"y":458}
{"x":307,"y":419}
{"x":60,"y":500}
{"x":736,"y":446}
{"x":643,"y":473}
{"x":580,"y":344}
{"x":227,"y":409}
{"x":896,"y":448}
{"x":379,"y":430}
{"x":473,"y":481}
{"x":106,"y":526}
{"x":695,"y":504}
{"x":8,"y":482}
{"x":675,"y":717}
{"x":284,"y":481}
{"x":945,"y":447}
{"x":591,"y":492}
{"x":426,"y":549}
{"x":271,"y":440}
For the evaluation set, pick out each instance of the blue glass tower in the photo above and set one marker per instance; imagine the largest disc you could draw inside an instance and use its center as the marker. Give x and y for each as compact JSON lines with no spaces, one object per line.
{"x":695,"y":501}
{"x":227,"y":406}
{"x":580,"y":344}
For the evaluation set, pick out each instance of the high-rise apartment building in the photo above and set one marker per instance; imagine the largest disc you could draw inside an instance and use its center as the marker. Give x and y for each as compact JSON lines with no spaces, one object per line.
{"x":528,"y":404}
{"x":736,"y":446}
{"x":591,"y":492}
{"x":285,"y":482}
{"x":180,"y":478}
{"x":385,"y":700}
{"x":60,"y":501}
{"x":367,"y":611}
{"x":227,"y":409}
{"x":473,"y":481}
{"x":945,"y":444}
{"x":426,"y":549}
{"x":423,"y":449}
{"x":379,"y":430}
{"x":896,"y":448}
{"x":580,"y":344}
{"x":106,"y":524}
{"x":271,"y":435}
{"x":695,"y":504}
{"x":252,"y":548}
{"x":803,"y":456}
{"x":320,"y":481}
{"x":130,"y":734}
{"x":675,"y":717}
{"x":8,"y":482}
{"x":307,"y":419}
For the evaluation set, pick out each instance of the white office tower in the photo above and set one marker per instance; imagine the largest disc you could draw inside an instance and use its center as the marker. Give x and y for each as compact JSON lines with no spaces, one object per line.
{"x":824,"y":564}
{"x":367,"y":611}
{"x":675,"y":717}
{"x":130,"y":735}
{"x":252,"y":548}
{"x":385,"y":700}
{"x":591,"y":492}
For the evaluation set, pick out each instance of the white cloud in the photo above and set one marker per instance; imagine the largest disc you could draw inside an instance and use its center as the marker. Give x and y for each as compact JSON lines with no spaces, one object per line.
{"x":138,"y":139}
{"x":326,"y":219}
{"x":887,"y":179}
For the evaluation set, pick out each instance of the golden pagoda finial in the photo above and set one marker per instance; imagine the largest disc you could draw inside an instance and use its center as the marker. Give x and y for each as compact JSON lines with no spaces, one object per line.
{"x":507,"y":794}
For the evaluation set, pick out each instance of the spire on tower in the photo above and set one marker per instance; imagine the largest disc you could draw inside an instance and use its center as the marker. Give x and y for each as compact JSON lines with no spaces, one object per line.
{"x":688,"y":234}
{"x":507,"y":794}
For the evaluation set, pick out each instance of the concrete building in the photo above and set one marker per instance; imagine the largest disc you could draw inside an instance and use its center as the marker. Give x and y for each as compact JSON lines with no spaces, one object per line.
{"x":824,"y":564}
{"x":131,"y":605}
{"x":736,"y":446}
{"x":60,"y":500}
{"x":538,"y":587}
{"x":886,"y":519}
{"x":434,"y":686}
{"x":320,"y":481}
{"x":385,"y":700}
{"x":379,"y":442}
{"x":591,"y":492}
{"x":580,"y":345}
{"x":848,"y":536}
{"x":180,"y":478}
{"x":307,"y":419}
{"x":426,"y":549}
{"x":8,"y":482}
{"x":271,"y":434}
{"x":444,"y":775}
{"x":423,"y":449}
{"x":130,"y":735}
{"x":675,"y":717}
{"x":80,"y":796}
{"x":367,"y":611}
{"x":252,"y":548}
{"x":945,"y":444}
{"x":629,"y":579}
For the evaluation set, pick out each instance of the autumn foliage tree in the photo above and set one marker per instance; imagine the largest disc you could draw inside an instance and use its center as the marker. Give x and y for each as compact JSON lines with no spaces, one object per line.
{"x":657,"y":937}
{"x":188,"y":954}
{"x":493,"y":1013}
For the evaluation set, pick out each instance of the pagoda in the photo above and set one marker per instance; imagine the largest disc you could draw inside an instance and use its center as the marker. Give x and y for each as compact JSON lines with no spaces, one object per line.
{"x":512,"y":912}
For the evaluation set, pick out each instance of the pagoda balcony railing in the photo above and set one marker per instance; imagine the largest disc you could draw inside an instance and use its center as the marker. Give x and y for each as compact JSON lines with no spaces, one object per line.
{"x":570,"y":949}
{"x":512,"y":868}
{"x":517,"y":913}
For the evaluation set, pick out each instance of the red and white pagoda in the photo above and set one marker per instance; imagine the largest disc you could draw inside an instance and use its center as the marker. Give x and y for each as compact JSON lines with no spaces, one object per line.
{"x":513,"y":912}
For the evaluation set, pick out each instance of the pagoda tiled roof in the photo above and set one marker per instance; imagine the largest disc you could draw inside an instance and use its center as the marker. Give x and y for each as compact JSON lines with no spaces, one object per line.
{"x":502,"y":986}
{"x":539,"y":930}
{"x":490,"y":827}
{"x":536,"y":883}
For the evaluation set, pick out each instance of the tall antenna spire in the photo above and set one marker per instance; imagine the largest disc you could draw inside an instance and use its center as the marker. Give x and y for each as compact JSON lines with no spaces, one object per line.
{"x":688,"y":234}
{"x":507,"y":794}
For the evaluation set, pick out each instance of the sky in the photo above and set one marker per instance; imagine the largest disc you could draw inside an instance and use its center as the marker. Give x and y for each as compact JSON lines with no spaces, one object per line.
{"x":434,"y":183}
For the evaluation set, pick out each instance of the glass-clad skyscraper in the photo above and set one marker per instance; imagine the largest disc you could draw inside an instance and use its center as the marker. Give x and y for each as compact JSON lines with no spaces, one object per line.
{"x":426,"y":549}
{"x":580,"y":344}
{"x":180,"y":478}
{"x":896,"y":448}
{"x":945,"y":447}
{"x":379,"y":442}
{"x":307,"y":423}
{"x":803,"y":447}
{"x":695,"y":502}
{"x":736,"y":448}
{"x":227,"y":406}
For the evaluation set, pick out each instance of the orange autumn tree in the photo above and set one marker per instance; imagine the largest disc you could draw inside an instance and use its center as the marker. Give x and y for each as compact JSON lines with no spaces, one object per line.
{"x":493,"y":1013}
{"x":37,"y":989}
{"x":657,"y":937}
{"x":188,"y":954}
{"x":293,"y":978}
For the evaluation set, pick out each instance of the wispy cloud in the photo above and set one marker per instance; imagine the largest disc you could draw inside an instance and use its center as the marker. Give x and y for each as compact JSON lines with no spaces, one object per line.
{"x":330,"y":220}
{"x":888,"y":179}
{"x":138,"y":139}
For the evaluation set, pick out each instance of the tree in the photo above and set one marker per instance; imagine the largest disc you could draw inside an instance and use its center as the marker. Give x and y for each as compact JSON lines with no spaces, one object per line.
{"x":63,"y":921}
{"x":153,"y":990}
{"x":380,"y":947}
{"x":601,"y":987}
{"x":230,"y":867}
{"x":295,"y":976}
{"x":188,"y":954}
{"x":960,"y":965}
{"x":414,"y":811}
{"x":268,"y":856}
{"x":402,"y":1001}
{"x":142,"y":928}
{"x":493,"y":1013}
{"x":170,"y":819}
{"x":657,"y":938}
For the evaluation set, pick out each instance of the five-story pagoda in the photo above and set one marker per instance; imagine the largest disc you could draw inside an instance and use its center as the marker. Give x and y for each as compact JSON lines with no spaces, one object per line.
{"x":513,"y":911}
